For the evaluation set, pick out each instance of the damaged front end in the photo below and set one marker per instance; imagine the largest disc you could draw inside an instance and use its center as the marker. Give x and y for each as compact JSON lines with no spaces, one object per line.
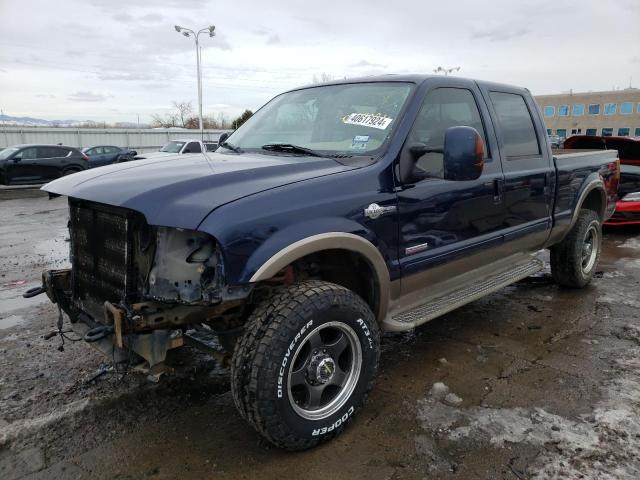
{"x":141,"y":288}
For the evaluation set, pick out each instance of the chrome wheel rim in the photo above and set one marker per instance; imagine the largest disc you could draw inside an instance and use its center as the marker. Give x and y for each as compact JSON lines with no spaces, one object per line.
{"x":590,"y":246}
{"x":324,"y":370}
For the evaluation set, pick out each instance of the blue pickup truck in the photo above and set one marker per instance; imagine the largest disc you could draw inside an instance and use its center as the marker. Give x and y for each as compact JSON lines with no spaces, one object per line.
{"x":336,"y":212}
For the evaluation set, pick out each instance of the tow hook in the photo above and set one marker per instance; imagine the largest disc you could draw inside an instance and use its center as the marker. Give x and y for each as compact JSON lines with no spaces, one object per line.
{"x":98,"y":333}
{"x":32,"y":292}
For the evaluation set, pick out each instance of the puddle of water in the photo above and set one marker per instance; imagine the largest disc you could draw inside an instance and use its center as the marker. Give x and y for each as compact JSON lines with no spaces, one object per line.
{"x":10,"y":321}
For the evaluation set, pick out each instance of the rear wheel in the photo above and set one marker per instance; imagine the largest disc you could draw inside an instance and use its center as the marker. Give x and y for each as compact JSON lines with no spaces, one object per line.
{"x":574,"y":260}
{"x":305,"y":364}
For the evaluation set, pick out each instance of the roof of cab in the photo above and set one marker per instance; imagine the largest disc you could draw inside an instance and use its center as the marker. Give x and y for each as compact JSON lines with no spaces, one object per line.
{"x":412,"y":78}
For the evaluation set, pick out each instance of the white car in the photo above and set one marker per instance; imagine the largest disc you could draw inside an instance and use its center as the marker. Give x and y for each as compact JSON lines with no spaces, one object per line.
{"x":175,"y":147}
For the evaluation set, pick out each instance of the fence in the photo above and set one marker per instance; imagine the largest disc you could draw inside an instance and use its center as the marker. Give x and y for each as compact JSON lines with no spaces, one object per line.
{"x":141,"y":140}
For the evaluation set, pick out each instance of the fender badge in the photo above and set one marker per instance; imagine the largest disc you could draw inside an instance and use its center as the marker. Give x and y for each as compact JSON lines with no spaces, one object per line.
{"x":374,"y":211}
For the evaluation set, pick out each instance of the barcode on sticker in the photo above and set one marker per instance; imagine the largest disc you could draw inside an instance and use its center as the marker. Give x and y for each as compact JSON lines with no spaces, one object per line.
{"x":368,"y":120}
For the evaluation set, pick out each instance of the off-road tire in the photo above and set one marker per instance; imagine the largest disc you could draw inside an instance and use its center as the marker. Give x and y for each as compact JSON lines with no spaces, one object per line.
{"x":567,"y":256}
{"x":284,"y":322}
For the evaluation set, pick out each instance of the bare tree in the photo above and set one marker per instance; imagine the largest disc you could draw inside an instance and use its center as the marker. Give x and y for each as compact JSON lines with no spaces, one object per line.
{"x":183,"y":116}
{"x":322,"y":78}
{"x":166,"y":121}
{"x":185,"y":112}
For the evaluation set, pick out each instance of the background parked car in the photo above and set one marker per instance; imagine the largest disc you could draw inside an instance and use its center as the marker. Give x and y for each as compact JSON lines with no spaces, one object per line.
{"x":628,"y":205}
{"x":555,"y":141}
{"x":27,"y":164}
{"x":179,"y":147}
{"x":106,"y":154}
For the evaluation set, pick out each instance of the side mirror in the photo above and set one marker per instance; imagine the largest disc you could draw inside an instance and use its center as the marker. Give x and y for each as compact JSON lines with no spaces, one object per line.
{"x":463,"y":154}
{"x":223,"y":138}
{"x":186,"y":150}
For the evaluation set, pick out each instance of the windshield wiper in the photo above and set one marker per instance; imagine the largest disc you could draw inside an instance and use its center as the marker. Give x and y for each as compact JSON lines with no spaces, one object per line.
{"x":288,"y":147}
{"x":233,"y":148}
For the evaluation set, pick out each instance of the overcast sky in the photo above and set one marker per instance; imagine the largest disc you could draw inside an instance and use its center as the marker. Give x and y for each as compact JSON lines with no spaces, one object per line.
{"x":111,"y":60}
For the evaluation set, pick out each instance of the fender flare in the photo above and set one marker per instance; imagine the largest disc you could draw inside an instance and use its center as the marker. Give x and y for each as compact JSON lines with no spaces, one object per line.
{"x":595,"y":184}
{"x":332,"y":241}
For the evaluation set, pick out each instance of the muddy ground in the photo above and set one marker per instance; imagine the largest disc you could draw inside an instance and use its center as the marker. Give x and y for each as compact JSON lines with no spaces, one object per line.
{"x":531,"y":382}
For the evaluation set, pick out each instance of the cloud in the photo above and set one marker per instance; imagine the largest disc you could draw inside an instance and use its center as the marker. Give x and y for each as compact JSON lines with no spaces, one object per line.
{"x":128,"y":18}
{"x":273,"y":39}
{"x":74,"y":53}
{"x":151,"y":17}
{"x":87,"y":96}
{"x":45,"y":95}
{"x":367,"y":64}
{"x":123,"y":17}
{"x":500,"y":33}
{"x":127,"y":76}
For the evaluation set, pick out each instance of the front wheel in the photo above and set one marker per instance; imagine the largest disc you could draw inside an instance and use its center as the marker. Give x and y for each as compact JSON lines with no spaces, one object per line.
{"x":574,"y":260}
{"x":305,"y":364}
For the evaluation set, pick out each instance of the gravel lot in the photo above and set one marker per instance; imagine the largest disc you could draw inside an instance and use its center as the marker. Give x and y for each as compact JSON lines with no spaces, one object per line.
{"x":531,"y":382}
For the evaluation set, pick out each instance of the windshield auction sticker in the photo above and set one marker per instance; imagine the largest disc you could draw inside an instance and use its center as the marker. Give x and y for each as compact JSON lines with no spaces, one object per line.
{"x":368,"y":120}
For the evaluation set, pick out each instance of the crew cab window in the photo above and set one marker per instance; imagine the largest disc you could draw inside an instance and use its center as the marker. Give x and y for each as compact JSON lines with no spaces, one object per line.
{"x":516,"y":125}
{"x":193,"y":147}
{"x":444,"y":108}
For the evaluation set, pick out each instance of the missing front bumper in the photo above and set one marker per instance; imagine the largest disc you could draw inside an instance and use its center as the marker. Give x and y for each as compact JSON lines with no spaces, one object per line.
{"x":148,"y":328}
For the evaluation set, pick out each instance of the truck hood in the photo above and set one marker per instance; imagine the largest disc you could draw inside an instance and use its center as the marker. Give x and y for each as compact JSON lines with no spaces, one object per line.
{"x":180,"y":191}
{"x":142,"y":156}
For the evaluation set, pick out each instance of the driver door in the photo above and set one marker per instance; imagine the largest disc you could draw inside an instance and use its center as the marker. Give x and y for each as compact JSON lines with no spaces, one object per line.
{"x":23,"y":166}
{"x":449,"y":227}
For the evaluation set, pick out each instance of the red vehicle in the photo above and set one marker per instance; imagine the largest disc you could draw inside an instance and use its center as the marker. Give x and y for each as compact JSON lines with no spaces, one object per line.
{"x":628,"y":206}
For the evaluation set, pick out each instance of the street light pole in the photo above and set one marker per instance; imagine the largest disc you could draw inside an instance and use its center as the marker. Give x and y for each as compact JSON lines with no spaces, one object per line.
{"x":187,"y":32}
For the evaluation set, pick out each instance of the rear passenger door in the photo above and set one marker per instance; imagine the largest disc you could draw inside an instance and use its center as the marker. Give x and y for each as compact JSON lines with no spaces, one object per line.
{"x":51,"y":161}
{"x":528,"y":172}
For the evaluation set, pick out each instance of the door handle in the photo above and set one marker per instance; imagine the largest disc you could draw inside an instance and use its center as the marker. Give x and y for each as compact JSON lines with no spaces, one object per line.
{"x":498,"y":190}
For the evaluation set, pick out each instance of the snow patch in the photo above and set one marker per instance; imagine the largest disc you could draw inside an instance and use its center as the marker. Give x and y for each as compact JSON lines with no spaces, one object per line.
{"x":602,"y":445}
{"x":633,"y":242}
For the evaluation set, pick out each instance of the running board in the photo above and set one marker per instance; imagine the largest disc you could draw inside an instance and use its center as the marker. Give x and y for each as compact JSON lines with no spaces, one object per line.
{"x":438,"y":306}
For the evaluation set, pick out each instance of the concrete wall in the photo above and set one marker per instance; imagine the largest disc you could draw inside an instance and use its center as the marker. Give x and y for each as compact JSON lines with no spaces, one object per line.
{"x":583,"y":122}
{"x":144,"y":140}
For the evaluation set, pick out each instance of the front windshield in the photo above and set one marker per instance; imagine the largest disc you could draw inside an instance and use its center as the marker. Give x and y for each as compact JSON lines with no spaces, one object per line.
{"x":351,"y":119}
{"x":7,"y":152}
{"x":172,"y":147}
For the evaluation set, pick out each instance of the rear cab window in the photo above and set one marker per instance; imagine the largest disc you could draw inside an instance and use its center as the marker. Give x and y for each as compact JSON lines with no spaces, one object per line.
{"x":516,"y":126}
{"x":193,"y":147}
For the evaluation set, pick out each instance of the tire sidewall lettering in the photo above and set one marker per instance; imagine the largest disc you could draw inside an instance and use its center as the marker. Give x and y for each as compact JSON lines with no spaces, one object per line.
{"x":318,"y":428}
{"x":287,"y":356}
